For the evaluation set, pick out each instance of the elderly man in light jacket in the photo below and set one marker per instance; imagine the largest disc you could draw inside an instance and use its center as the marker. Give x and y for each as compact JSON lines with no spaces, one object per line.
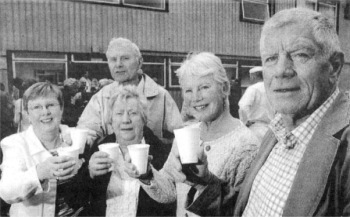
{"x":125,"y":61}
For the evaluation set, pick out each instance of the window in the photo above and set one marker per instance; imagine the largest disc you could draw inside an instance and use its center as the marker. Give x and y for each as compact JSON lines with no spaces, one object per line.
{"x":328,"y":7}
{"x":174,"y":64}
{"x":151,"y":4}
{"x":256,"y":11}
{"x":155,"y":68}
{"x":103,"y":1}
{"x":40,"y":66}
{"x":160,"y":5}
{"x":244,"y":75}
{"x":231,"y":68}
{"x":95,"y":63}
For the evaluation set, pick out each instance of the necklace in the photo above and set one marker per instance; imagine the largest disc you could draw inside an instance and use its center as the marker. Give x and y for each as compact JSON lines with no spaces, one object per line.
{"x":54,"y":143}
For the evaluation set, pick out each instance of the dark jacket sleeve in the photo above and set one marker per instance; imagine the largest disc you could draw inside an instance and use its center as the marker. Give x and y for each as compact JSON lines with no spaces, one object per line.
{"x":98,"y":185}
{"x":160,"y":151}
{"x":219,"y":197}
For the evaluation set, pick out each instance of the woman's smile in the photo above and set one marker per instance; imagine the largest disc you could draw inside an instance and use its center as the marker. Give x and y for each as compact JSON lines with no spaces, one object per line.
{"x":200,"y":107}
{"x":46,"y":120}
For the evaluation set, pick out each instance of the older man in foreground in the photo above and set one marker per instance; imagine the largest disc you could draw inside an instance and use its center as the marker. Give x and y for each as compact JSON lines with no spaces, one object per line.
{"x":124,"y":62}
{"x":303,"y":166}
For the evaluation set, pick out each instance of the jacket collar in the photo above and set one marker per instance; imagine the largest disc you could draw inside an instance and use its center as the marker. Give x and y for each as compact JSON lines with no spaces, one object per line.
{"x":35,"y":148}
{"x":146,"y":86}
{"x":315,"y":166}
{"x":150,"y":87}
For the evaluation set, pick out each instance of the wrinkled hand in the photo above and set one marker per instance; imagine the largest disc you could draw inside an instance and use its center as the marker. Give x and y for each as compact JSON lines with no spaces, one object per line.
{"x":61,"y":167}
{"x":99,"y":164}
{"x":131,"y":169}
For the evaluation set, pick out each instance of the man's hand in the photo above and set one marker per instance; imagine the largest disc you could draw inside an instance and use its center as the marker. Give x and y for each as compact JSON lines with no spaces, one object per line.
{"x":99,"y":164}
{"x":59,"y":167}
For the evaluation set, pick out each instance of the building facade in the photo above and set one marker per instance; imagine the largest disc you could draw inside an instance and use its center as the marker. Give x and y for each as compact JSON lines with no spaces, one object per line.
{"x":57,"y":39}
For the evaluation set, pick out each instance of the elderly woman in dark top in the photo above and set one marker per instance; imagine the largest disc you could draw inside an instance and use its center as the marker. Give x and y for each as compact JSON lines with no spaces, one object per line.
{"x":123,"y":195}
{"x":35,"y":180}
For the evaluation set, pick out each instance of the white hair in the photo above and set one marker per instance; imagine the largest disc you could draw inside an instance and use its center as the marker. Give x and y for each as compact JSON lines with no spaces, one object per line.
{"x":323,"y":28}
{"x":203,"y":64}
{"x":115,"y":43}
{"x":122,"y":94}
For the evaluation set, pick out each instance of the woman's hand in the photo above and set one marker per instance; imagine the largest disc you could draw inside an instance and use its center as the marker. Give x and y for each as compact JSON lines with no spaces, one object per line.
{"x":99,"y":164}
{"x":56,"y":167}
{"x":131,"y":169}
{"x":191,"y":174}
{"x":173,"y":165}
{"x":198,"y":173}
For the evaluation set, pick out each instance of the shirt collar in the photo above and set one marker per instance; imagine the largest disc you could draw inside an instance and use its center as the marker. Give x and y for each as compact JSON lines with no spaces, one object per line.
{"x":303,"y":133}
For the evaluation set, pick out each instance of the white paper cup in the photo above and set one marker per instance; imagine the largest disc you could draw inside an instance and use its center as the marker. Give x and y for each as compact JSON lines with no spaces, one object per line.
{"x":188,"y":139}
{"x":112,"y":149}
{"x":79,"y":137}
{"x":71,"y":152}
{"x":139,"y":156}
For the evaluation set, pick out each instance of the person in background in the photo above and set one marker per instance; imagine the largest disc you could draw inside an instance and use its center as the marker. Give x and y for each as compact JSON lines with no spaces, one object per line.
{"x":17,"y":90}
{"x":236,"y":94}
{"x":104,"y":82}
{"x":86,"y":78}
{"x":125,"y":61}
{"x":35,"y":180}
{"x":302,"y":168}
{"x":228,"y":144}
{"x":72,"y":110}
{"x":21,"y":120}
{"x":255,"y":110}
{"x":6,"y":103}
{"x":6,"y":112}
{"x":115,"y":193}
{"x":95,"y":85}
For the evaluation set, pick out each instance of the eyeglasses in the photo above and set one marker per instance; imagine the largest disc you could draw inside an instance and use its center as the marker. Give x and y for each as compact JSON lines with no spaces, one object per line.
{"x":51,"y":107}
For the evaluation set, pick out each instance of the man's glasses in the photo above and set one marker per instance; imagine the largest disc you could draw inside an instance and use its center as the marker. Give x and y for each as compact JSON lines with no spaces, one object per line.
{"x":51,"y":107}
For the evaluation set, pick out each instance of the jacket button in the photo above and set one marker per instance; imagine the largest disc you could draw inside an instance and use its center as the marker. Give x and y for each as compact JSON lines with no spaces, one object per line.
{"x":207,"y":148}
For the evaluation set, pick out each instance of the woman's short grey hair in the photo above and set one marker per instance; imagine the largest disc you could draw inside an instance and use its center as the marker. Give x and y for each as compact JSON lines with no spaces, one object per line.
{"x":42,"y":90}
{"x":323,"y":27}
{"x":115,"y":43}
{"x":122,"y":94}
{"x":203,"y":64}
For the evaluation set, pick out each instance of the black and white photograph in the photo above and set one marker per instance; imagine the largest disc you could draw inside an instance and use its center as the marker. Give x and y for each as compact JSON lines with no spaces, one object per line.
{"x":186,"y":108}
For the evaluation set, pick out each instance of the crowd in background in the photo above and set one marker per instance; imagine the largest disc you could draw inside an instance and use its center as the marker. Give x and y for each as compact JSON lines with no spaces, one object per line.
{"x":77,"y":93}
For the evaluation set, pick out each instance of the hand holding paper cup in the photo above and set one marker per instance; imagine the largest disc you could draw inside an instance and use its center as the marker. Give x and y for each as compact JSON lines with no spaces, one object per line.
{"x":188,"y":139}
{"x":112,"y":149}
{"x":139,"y":157}
{"x":71,"y":152}
{"x":79,"y":137}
